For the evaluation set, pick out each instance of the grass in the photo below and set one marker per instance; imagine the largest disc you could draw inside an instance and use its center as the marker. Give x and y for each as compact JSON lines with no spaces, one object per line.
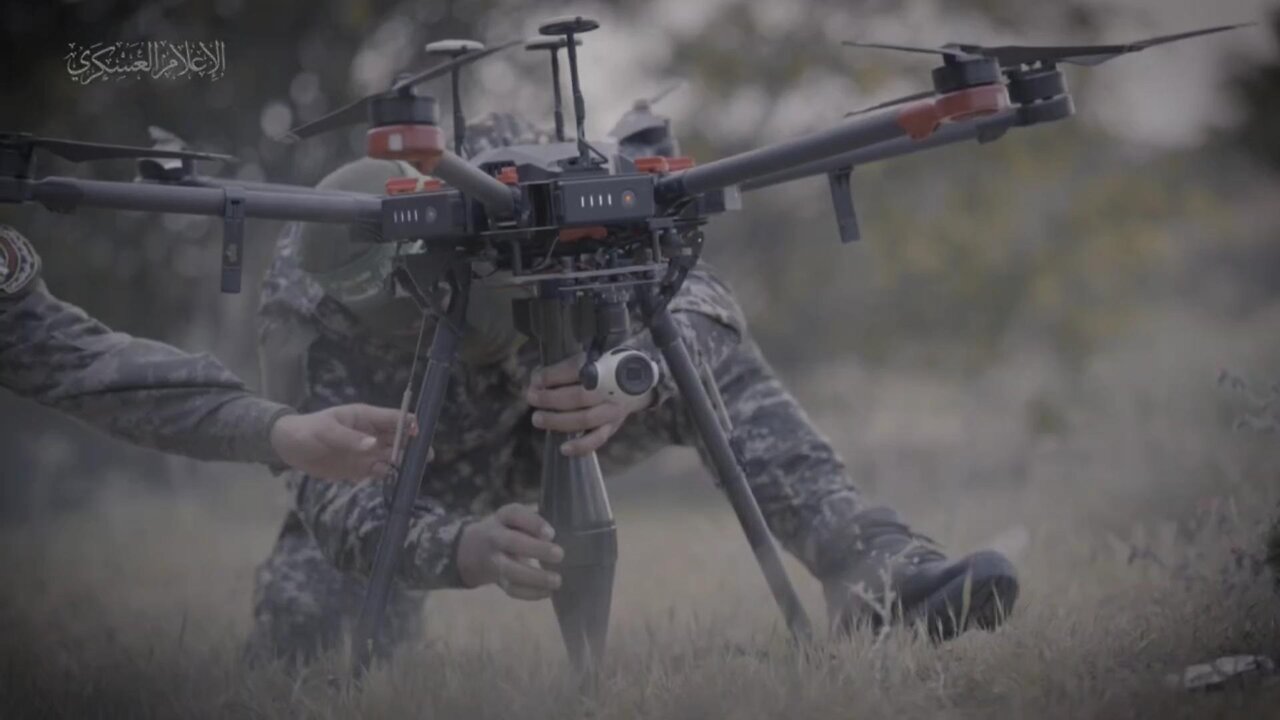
{"x":1137,"y":519}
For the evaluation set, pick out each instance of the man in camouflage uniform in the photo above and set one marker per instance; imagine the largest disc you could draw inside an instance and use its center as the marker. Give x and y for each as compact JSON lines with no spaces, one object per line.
{"x":156,"y":396}
{"x":343,"y":334}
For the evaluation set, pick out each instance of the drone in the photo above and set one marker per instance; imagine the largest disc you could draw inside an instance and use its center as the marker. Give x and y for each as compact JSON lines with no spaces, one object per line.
{"x":596,"y":233}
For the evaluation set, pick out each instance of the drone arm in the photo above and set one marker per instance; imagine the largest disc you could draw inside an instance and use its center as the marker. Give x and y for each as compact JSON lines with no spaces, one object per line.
{"x":62,"y":194}
{"x":948,"y":134}
{"x":735,"y":169}
{"x":474,"y":182}
{"x":214,"y":182}
{"x":918,"y":121}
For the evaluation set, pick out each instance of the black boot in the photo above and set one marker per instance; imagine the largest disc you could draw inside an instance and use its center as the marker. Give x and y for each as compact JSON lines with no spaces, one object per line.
{"x":948,"y":596}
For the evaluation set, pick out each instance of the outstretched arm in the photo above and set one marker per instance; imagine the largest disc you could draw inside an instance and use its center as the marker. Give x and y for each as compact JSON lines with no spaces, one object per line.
{"x":446,"y":547}
{"x":145,"y":392}
{"x":155,"y":395}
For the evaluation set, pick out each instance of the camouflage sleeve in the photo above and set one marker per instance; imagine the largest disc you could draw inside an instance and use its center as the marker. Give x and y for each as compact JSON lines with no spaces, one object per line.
{"x":803,"y":487}
{"x":334,"y":368}
{"x":138,"y":390}
{"x":705,"y":295}
{"x":347,"y":522}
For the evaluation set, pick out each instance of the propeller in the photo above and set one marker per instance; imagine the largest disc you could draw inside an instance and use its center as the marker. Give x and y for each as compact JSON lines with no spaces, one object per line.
{"x":357,"y":112}
{"x":641,"y":118}
{"x":77,"y":151}
{"x":154,"y":168}
{"x":665,"y":92}
{"x":1017,"y":55}
{"x":892,"y":103}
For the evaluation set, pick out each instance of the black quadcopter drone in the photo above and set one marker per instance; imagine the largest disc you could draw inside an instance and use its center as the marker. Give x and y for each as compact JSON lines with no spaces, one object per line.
{"x":597,"y":236}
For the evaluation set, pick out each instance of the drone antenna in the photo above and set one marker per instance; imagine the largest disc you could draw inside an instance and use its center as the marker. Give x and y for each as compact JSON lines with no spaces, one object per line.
{"x":553,"y":45}
{"x":455,"y":49}
{"x":558,"y":102}
{"x":569,"y":27}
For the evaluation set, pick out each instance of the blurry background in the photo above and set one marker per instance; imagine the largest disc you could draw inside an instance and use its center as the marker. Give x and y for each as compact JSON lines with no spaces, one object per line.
{"x":1053,"y":241}
{"x":1028,"y":326}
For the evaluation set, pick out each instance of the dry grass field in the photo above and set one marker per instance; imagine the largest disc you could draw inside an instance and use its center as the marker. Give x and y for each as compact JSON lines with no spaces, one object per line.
{"x":1134,"y":512}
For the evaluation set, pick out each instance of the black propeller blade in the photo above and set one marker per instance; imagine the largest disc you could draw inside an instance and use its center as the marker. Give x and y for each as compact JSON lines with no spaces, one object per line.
{"x":357,"y":112}
{"x":892,"y":103}
{"x":443,"y":69}
{"x":665,"y":92}
{"x":903,"y":48}
{"x":1016,"y":55}
{"x":641,"y":116}
{"x":77,"y":151}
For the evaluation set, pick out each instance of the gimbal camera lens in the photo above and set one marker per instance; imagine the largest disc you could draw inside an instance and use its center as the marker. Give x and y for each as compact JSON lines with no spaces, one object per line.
{"x":621,"y":371}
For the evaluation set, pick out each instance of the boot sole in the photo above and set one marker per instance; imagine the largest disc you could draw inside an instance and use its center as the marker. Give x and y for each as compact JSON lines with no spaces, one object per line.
{"x":993,"y":590}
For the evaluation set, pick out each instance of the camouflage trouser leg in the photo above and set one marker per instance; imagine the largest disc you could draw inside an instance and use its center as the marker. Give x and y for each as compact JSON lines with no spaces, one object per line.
{"x":303,"y":605}
{"x":802,"y":486}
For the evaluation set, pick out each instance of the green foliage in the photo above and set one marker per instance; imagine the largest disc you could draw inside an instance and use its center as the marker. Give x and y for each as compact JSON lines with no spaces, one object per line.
{"x":1055,"y":236}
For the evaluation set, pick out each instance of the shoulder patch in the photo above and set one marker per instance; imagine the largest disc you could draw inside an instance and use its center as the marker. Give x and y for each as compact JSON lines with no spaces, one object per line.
{"x":19,"y":263}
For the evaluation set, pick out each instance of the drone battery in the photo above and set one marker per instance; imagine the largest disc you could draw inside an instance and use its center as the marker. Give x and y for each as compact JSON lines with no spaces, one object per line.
{"x":606,"y":199}
{"x":424,"y":216}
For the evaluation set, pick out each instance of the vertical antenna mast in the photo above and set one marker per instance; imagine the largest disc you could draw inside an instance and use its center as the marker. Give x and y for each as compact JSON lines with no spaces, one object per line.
{"x":559,"y":103}
{"x":454,"y":49}
{"x":569,"y":27}
{"x":553,"y":45}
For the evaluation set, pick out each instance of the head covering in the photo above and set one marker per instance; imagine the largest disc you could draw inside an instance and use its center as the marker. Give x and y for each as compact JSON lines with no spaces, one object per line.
{"x":643,"y":133}
{"x":357,"y":273}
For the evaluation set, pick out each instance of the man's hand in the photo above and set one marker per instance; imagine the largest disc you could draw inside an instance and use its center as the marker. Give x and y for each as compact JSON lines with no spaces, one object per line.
{"x":348,"y":442}
{"x":505,"y":548}
{"x":564,"y":405}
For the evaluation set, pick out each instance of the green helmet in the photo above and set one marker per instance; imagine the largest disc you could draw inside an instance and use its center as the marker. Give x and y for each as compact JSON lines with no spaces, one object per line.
{"x":357,"y":274}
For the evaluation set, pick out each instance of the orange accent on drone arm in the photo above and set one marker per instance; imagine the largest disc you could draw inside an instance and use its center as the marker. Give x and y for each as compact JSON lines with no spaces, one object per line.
{"x":402,"y":186}
{"x":973,"y":102}
{"x":676,"y":164}
{"x":921,"y":119}
{"x":406,"y":185}
{"x":651,"y":164}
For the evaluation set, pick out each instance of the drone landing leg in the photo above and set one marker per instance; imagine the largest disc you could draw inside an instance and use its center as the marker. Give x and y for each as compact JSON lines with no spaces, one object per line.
{"x":667,"y":337}
{"x":435,"y":380}
{"x":574,"y":501}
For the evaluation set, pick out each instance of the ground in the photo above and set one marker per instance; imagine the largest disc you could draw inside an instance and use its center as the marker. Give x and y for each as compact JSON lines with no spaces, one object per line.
{"x":1135,"y":514}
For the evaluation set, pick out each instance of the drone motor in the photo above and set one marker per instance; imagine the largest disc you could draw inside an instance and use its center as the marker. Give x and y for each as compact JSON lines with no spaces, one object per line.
{"x":403,"y":127}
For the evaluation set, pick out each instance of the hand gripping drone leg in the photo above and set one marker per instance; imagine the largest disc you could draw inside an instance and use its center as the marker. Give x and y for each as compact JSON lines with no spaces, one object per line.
{"x":440,"y":358}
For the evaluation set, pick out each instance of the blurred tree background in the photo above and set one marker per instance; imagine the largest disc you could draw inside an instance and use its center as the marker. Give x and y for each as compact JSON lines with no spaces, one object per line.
{"x":1055,"y":238}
